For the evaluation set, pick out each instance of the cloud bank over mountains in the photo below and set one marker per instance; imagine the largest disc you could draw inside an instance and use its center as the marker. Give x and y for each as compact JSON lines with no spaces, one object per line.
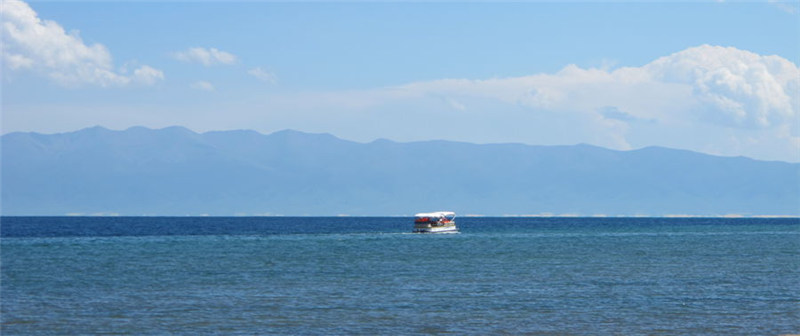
{"x":719,"y":100}
{"x":44,"y":47}
{"x":732,"y":87}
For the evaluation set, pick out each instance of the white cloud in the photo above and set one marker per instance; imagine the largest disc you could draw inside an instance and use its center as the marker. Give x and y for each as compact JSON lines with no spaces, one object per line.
{"x":739,"y":88}
{"x":147,"y":75}
{"x":207,"y":57}
{"x":43,"y":46}
{"x":202,"y":85}
{"x":455,"y":104}
{"x":263,"y":75}
{"x":791,"y":7}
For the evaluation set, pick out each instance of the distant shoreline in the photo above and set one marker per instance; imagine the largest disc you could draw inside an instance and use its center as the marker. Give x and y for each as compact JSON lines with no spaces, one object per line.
{"x":402,"y":216}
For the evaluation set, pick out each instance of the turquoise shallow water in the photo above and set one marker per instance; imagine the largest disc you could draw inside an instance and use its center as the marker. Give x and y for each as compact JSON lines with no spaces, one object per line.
{"x":369,"y":276}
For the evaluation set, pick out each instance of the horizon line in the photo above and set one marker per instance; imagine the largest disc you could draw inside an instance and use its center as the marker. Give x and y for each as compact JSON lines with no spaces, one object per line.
{"x":669,"y":216}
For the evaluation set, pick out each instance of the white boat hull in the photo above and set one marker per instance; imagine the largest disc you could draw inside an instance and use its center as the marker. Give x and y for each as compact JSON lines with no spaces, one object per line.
{"x":437,"y":229}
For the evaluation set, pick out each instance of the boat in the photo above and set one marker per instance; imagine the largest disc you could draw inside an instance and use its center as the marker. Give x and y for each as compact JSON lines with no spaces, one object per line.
{"x":435,"y":222}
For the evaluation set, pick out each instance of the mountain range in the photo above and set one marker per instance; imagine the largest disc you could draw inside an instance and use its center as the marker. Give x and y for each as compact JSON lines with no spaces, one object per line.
{"x":175,"y":171}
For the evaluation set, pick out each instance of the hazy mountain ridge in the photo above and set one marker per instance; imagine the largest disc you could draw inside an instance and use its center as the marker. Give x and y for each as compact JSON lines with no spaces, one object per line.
{"x":175,"y":171}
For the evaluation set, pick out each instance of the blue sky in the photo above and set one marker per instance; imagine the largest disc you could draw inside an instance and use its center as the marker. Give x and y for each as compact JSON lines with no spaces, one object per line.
{"x":715,"y":77}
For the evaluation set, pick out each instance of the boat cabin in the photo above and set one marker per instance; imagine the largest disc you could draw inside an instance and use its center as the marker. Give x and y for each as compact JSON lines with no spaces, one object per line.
{"x":434,"y":218}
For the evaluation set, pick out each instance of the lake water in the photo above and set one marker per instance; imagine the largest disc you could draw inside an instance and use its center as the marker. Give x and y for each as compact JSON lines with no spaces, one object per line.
{"x":327,"y":276}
